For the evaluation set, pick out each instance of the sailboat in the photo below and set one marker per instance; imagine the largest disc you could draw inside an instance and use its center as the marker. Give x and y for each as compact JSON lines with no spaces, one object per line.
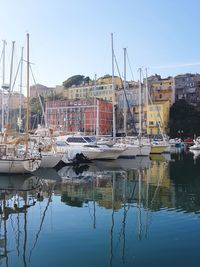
{"x":11,"y":161}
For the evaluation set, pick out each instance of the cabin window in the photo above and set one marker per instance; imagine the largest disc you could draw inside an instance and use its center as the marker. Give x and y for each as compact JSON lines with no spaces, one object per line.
{"x":75,"y":140}
{"x":88,"y":139}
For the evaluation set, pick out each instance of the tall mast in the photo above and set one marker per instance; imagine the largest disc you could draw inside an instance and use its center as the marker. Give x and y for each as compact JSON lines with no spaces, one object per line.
{"x":3,"y":83}
{"x":27,"y":108}
{"x":10,"y":82}
{"x":125,"y":104}
{"x":95,"y":105}
{"x":97,"y":123}
{"x":146,"y":87}
{"x":20,"y":99}
{"x":140,"y":103}
{"x":147,"y":100}
{"x":113,"y":89}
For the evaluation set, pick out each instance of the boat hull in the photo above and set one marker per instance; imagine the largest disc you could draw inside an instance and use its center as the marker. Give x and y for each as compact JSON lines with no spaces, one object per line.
{"x":19,"y":165}
{"x":109,"y":154}
{"x":157,"y":149}
{"x":130,"y":152}
{"x":144,"y":150}
{"x":50,"y":160}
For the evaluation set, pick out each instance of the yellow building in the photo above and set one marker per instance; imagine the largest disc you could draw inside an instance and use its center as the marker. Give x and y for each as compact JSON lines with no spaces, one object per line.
{"x":158,"y":118}
{"x":102,"y":89}
{"x":162,"y":89}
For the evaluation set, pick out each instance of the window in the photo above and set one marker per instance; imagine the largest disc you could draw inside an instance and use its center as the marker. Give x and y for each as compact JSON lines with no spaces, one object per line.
{"x":75,"y":140}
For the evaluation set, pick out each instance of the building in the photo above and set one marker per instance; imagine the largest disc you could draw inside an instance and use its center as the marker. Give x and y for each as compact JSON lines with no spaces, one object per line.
{"x":101,"y":89}
{"x":41,"y":90}
{"x":14,"y":101}
{"x":89,"y":116}
{"x":131,"y":98}
{"x":161,"y":89}
{"x":187,"y":86}
{"x":158,"y":118}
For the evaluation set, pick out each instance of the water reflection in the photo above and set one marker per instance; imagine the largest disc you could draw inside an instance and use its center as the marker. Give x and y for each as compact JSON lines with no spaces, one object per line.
{"x":121,"y":204}
{"x":18,"y":194}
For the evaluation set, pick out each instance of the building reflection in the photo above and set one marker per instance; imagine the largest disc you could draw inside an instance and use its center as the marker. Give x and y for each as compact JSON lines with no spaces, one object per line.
{"x":90,"y":183}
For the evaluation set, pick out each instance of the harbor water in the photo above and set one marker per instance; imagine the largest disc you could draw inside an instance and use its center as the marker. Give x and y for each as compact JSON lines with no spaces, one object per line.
{"x":136,"y":212}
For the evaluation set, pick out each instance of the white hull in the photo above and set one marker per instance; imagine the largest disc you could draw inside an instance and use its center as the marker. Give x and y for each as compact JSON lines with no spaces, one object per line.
{"x":130,"y":152}
{"x":144,"y":150}
{"x":109,"y":154}
{"x":89,"y":152}
{"x":195,"y":147}
{"x":19,"y":165}
{"x":50,"y":160}
{"x":167,"y":149}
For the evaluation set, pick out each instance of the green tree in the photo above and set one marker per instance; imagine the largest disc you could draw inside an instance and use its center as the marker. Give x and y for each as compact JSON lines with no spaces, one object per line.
{"x":36,"y":111}
{"x":184,"y":120}
{"x":76,"y":80}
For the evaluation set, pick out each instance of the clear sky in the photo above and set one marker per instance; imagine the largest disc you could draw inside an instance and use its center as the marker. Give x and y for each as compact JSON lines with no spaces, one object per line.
{"x":69,"y":37}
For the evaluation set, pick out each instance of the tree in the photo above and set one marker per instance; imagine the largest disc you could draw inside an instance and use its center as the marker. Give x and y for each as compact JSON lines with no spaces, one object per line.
{"x":184,"y":120}
{"x":36,"y":111}
{"x":76,"y":80}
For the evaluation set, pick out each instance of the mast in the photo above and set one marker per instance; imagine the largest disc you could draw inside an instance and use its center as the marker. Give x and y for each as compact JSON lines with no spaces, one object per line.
{"x":125,"y":104}
{"x":10,"y":83}
{"x":140,"y":103}
{"x":146,"y":92}
{"x":113,"y":90}
{"x":97,"y":123}
{"x":3,"y":83}
{"x":20,"y":100}
{"x":146,"y":96}
{"x":95,"y":105}
{"x":27,"y":108}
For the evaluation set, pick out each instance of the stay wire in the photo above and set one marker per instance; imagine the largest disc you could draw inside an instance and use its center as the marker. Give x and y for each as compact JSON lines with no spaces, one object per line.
{"x":129,"y":110}
{"x":130,"y":66}
{"x":43,"y":113}
{"x":149,"y":96}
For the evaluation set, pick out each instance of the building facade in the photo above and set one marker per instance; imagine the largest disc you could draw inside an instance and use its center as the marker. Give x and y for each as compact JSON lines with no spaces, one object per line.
{"x":89,"y":116}
{"x":158,"y":118}
{"x":131,"y":98}
{"x":41,"y":89}
{"x":101,"y":88}
{"x":161,"y":89}
{"x":187,"y":86}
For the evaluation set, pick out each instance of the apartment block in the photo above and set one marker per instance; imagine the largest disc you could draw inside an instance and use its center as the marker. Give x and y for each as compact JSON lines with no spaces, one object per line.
{"x":161,"y":89}
{"x":187,"y":86}
{"x":131,"y":99}
{"x":90,"y":116}
{"x":158,"y":118}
